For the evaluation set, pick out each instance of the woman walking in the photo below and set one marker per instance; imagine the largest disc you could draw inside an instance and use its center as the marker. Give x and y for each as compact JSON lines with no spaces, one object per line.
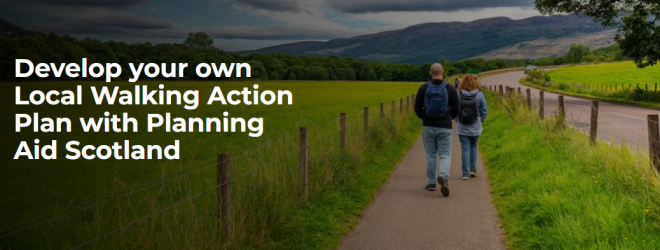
{"x":472,"y":113}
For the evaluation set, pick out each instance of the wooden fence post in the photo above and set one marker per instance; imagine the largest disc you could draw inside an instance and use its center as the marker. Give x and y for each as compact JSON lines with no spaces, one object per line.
{"x":393,"y":106}
{"x":501,"y":90}
{"x":342,"y":131}
{"x":302,"y":159}
{"x":541,"y":112}
{"x":529,"y":99}
{"x":519,"y":93}
{"x":593,"y":132}
{"x":382,"y":112}
{"x":407,"y":104}
{"x":560,"y":110}
{"x":401,"y":106}
{"x":654,"y":140}
{"x":366,"y":121}
{"x":224,"y":192}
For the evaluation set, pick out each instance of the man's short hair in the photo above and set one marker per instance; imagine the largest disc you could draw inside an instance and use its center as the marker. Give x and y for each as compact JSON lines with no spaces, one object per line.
{"x":436,"y":69}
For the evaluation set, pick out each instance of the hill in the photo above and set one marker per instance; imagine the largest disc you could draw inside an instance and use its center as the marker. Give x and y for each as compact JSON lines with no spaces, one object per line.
{"x":499,"y":37}
{"x":11,"y":30}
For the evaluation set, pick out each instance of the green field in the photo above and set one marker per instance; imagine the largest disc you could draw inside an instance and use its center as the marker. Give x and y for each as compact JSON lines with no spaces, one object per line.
{"x":609,"y":74}
{"x":552,"y":190}
{"x":618,"y":82}
{"x":266,"y":186}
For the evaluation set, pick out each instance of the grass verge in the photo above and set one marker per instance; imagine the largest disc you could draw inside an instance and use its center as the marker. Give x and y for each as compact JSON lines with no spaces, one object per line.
{"x":326,"y":219}
{"x":553,"y":190}
{"x":585,"y":94}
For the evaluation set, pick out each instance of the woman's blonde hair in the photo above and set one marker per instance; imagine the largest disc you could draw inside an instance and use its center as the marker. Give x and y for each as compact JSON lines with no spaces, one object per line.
{"x":470,"y":82}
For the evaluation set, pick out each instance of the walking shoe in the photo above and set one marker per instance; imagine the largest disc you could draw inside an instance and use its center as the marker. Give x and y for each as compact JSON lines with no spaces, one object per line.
{"x":444,"y":186}
{"x":430,"y":187}
{"x":473,"y":174}
{"x":464,"y":177}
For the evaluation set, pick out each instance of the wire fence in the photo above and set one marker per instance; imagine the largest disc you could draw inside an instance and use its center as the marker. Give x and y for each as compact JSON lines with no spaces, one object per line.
{"x":613,"y":123}
{"x":189,"y":209}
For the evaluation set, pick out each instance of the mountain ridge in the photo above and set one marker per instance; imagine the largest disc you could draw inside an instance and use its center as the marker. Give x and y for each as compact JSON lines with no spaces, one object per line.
{"x":455,"y":40}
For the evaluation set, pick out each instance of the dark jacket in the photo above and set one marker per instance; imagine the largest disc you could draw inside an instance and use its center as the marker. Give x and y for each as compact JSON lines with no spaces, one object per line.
{"x":452,"y":109}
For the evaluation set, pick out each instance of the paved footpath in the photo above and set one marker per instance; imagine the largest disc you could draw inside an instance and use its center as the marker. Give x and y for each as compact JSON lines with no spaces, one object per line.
{"x":406,"y":216}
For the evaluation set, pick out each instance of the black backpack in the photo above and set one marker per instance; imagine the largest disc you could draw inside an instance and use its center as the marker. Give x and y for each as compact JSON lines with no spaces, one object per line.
{"x":468,"y":109}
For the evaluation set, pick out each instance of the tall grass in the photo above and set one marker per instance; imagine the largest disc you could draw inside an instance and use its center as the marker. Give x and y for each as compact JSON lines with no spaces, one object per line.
{"x":178,"y":208}
{"x":553,"y":190}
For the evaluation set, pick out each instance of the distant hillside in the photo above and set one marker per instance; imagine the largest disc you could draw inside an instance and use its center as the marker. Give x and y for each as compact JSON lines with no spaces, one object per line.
{"x":11,"y":30}
{"x":544,"y":47}
{"x":499,"y":37}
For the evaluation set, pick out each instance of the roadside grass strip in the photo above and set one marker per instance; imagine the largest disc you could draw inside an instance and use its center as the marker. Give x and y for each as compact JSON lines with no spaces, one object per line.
{"x":553,"y":190}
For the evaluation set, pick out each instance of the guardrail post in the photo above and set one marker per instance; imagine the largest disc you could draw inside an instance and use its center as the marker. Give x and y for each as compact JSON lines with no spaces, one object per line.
{"x":654,"y":141}
{"x":224,"y":192}
{"x":593,"y":132}
{"x":302,"y":159}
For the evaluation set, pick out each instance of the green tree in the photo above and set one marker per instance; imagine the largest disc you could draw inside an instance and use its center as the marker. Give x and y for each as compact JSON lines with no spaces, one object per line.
{"x":577,"y":53}
{"x":292,"y":76}
{"x":639,"y":35}
{"x":199,"y":41}
{"x":274,"y":76}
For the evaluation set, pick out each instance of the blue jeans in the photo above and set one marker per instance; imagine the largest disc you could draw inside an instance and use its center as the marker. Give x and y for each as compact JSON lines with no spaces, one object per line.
{"x":437,"y":141}
{"x":468,"y":153}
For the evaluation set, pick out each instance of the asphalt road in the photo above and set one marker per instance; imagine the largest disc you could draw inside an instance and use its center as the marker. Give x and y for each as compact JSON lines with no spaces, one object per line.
{"x":406,"y":216}
{"x":616,"y":123}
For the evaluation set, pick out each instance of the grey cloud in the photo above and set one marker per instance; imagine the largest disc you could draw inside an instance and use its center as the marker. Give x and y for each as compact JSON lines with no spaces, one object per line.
{"x":115,"y":26}
{"x":274,"y":5}
{"x":375,"y":6}
{"x":125,"y":21}
{"x":114,"y":4}
{"x":280,"y":32}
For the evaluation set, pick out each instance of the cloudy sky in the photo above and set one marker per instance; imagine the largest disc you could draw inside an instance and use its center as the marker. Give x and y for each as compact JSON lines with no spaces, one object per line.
{"x":245,"y":24}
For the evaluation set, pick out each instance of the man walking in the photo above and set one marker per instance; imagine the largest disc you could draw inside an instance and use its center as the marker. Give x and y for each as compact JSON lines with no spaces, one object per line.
{"x":436,"y":103}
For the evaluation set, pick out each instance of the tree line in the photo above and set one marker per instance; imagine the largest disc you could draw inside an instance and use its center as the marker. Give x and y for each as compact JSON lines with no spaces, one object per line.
{"x":198,"y":48}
